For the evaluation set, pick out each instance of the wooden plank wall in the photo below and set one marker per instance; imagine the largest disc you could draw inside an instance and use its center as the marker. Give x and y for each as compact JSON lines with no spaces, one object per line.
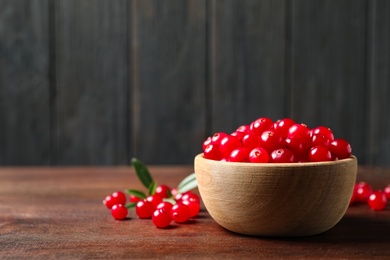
{"x":96,"y":82}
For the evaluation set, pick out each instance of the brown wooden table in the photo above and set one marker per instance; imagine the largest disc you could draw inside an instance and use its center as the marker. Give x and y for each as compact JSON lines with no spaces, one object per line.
{"x":58,"y":213}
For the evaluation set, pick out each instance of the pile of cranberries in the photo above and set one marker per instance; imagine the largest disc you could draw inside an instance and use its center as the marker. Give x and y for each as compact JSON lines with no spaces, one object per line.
{"x":376,"y":200}
{"x":282,"y":141}
{"x":163,"y":207}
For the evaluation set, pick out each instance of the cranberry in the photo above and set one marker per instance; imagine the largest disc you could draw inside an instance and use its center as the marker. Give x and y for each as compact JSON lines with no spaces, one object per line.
{"x":144,"y":209}
{"x":161,"y":218}
{"x":167,"y":206}
{"x":259,"y":155}
{"x":109,"y":202}
{"x":134,"y":198}
{"x":377,"y":200}
{"x":318,"y":139}
{"x":163,"y":191}
{"x":180,"y":213}
{"x":300,"y":132}
{"x":281,"y":126}
{"x":260,"y":125}
{"x":217,"y":137}
{"x":117,"y":197}
{"x":240,"y":154}
{"x":282,"y":155}
{"x":340,"y":148}
{"x":119,"y":212}
{"x":325,"y":131}
{"x":154,"y":199}
{"x":206,"y":143}
{"x":193,"y":205}
{"x":250,"y":141}
{"x":190,"y":196}
{"x":228,"y":144}
{"x":354,"y":195}
{"x":212,"y":152}
{"x":319,"y":154}
{"x":239,"y":135}
{"x":387,"y":191}
{"x":270,"y":140}
{"x":363,"y":191}
{"x":244,"y":129}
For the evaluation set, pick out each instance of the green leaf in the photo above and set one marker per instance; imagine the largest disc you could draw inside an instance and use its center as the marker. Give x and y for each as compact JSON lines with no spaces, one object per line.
{"x":142,"y":172}
{"x":152,"y":188}
{"x":188,"y":183}
{"x":136,"y":193}
{"x":131,"y":205}
{"x":171,"y":200}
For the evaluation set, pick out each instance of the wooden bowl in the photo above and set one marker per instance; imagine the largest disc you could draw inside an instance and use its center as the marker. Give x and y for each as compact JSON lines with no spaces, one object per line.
{"x":279,"y":200}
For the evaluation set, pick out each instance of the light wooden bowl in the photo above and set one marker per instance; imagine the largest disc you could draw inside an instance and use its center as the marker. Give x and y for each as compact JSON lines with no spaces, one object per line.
{"x":279,"y":200}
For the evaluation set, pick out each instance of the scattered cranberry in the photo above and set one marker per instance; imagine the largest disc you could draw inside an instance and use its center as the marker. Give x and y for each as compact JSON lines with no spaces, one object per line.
{"x":354,"y":195}
{"x":161,"y":218}
{"x":363,"y":191}
{"x":190,"y":196}
{"x":119,"y":212}
{"x":193,"y":205}
{"x":117,"y":197}
{"x":377,"y":200}
{"x":144,"y":209}
{"x":134,"y":198}
{"x":163,"y":191}
{"x":167,"y":206}
{"x":387,"y":191}
{"x":154,"y":199}
{"x":180,"y":213}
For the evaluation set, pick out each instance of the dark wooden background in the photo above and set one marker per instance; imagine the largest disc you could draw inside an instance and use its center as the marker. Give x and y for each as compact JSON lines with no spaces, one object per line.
{"x":100,"y":81}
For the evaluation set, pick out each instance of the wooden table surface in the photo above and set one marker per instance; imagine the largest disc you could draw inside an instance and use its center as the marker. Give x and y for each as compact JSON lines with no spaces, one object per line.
{"x":58,"y":213}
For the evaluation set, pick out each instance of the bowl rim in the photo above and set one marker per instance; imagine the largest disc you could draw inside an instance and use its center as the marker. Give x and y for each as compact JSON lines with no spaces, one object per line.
{"x":280,"y":165}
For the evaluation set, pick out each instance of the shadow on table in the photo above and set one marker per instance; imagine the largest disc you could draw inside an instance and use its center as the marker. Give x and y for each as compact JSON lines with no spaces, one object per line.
{"x":353,"y":229}
{"x":370,"y":228}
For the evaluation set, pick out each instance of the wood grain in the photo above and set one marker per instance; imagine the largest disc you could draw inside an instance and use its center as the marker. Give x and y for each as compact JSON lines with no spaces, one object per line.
{"x":97,"y":82}
{"x":168,"y":76}
{"x":24,"y":83}
{"x":57,"y":213}
{"x":247,"y":52}
{"x":92,"y":84}
{"x":328,"y":68}
{"x":276,"y":200}
{"x":379,"y":81}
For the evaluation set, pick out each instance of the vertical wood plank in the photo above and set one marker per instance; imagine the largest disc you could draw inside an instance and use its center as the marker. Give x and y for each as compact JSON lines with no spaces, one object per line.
{"x":379,"y":82}
{"x":92,"y":82}
{"x":169,"y":80}
{"x":247,"y":57}
{"x":328,"y":68}
{"x":24,"y":83}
